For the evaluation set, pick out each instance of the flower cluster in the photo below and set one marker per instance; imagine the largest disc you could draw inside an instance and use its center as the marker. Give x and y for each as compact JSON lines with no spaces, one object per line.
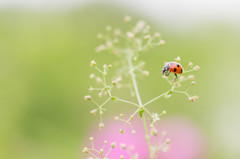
{"x":97,"y":154}
{"x":128,"y":46}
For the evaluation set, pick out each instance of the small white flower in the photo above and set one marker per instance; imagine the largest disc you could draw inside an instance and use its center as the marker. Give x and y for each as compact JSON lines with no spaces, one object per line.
{"x":155,"y":117}
{"x":178,"y":59}
{"x":161,"y":42}
{"x":93,"y":63}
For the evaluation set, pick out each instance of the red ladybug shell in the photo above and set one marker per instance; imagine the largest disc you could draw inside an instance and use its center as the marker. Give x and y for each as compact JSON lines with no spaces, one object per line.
{"x":175,"y":67}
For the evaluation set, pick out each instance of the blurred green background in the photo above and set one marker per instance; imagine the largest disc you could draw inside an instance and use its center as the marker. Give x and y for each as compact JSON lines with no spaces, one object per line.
{"x":44,"y":74}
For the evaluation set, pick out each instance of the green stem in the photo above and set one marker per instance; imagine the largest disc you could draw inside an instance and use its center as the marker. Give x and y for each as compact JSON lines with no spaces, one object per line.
{"x":139,"y":100}
{"x":134,"y":80}
{"x":147,"y":136}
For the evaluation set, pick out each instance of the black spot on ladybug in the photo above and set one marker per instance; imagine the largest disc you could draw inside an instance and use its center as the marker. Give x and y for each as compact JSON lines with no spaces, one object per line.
{"x":171,"y":63}
{"x":175,"y":69}
{"x":181,"y":70}
{"x":177,"y":65}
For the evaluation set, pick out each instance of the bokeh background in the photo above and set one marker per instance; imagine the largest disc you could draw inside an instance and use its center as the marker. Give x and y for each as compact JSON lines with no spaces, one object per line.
{"x":45,"y":49}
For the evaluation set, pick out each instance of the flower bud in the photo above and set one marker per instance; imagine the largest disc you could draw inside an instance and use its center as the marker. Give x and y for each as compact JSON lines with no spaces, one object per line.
{"x":121,"y":157}
{"x":190,"y":64}
{"x":87,"y":98}
{"x":133,"y":132}
{"x":153,"y":132}
{"x":91,"y":138}
{"x":168,"y":141}
{"x":101,"y":125}
{"x":121,"y":131}
{"x":191,"y":77}
{"x":101,"y":150}
{"x":113,"y":145}
{"x":93,"y":63}
{"x":92,"y":75}
{"x":123,"y":146}
{"x":116,"y":118}
{"x":93,"y":111}
{"x":193,"y":83}
{"x":146,"y":73}
{"x":178,"y":59}
{"x":161,"y":42}
{"x":196,"y":68}
{"x":85,"y":150}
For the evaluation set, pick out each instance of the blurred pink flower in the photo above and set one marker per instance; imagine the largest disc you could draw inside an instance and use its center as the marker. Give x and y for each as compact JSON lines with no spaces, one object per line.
{"x":187,"y":141}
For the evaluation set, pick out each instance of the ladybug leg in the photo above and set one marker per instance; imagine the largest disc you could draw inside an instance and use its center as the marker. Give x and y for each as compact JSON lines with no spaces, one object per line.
{"x":176,"y":76}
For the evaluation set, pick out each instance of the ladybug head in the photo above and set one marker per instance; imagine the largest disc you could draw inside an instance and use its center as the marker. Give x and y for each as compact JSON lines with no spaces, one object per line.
{"x":165,"y":70}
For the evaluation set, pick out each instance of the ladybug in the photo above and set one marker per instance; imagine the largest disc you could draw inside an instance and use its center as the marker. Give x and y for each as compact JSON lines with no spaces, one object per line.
{"x":173,"y":67}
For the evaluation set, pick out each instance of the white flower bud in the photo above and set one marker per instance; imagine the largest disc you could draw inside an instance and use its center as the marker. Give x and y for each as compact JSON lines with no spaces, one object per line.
{"x":168,"y":141}
{"x":101,"y":125}
{"x":133,"y":132}
{"x":87,"y":98}
{"x":93,"y":111}
{"x":161,"y":42}
{"x":191,"y":77}
{"x":92,"y":75}
{"x":91,"y":138}
{"x":146,"y":73}
{"x":85,"y":150}
{"x":190,"y":64}
{"x":196,"y":68}
{"x":178,"y":59}
{"x":105,"y":66}
{"x":123,"y":146}
{"x":93,"y":63}
{"x":90,"y":89}
{"x":98,"y":80}
{"x":113,"y":145}
{"x":121,"y":157}
{"x":101,"y":151}
{"x":193,"y":83}
{"x":116,"y":118}
{"x":153,"y":132}
{"x":121,"y":131}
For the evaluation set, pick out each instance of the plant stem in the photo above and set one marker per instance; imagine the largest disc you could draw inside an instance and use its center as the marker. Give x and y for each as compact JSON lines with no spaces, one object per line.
{"x":147,"y":136}
{"x":134,"y":80}
{"x":131,"y":68}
